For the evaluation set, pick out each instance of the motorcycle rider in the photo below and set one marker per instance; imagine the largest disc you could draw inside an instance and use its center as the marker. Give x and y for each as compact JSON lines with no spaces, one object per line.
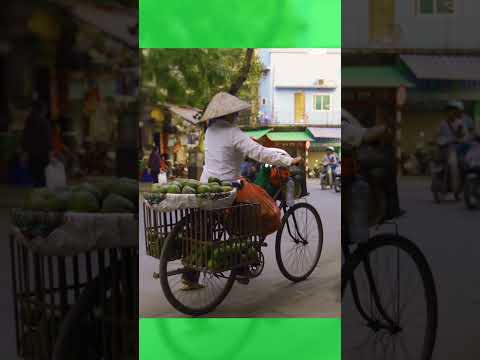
{"x":330,"y":162}
{"x":452,"y":133}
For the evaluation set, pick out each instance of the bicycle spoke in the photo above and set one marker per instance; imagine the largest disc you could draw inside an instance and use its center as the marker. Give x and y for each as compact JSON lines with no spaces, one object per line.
{"x":298,"y":257}
{"x":395,"y":278}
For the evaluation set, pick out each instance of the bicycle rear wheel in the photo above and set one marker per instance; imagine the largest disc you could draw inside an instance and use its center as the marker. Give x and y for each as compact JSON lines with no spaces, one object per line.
{"x":299,"y":242}
{"x":391,"y":310}
{"x":212,"y":287}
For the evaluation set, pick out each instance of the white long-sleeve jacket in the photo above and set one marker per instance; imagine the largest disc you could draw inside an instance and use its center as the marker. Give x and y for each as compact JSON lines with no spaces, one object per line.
{"x":226,"y":147}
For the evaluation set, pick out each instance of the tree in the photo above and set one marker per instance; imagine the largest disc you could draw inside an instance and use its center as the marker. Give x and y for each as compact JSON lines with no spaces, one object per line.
{"x":192,"y":76}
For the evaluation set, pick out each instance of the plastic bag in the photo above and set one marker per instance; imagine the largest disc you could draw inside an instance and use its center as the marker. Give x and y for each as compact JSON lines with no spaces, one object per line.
{"x":263,"y":180}
{"x":162,"y":177}
{"x":55,"y":175}
{"x":270,"y":216}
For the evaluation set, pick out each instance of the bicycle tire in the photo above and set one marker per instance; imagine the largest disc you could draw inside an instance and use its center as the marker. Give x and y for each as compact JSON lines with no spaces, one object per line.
{"x":382,"y":240}
{"x":167,"y":291}
{"x":278,"y":243}
{"x":69,"y":330}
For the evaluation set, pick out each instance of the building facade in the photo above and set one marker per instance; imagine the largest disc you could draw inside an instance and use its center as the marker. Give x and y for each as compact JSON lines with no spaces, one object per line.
{"x":300,"y":87}
{"x":300,"y":100}
{"x":424,"y":46}
{"x":410,"y":24}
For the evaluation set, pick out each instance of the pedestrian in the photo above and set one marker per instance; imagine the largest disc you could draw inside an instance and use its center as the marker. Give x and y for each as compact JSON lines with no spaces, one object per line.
{"x":362,"y":202}
{"x":154,"y":163}
{"x":37,"y":142}
{"x":388,"y":146}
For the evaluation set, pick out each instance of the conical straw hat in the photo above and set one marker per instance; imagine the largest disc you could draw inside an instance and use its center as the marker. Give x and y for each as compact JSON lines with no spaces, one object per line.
{"x":224,"y":104}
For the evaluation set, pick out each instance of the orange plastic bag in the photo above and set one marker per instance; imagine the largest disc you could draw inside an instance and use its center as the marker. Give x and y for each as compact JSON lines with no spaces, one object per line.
{"x":278,"y":176}
{"x":270,"y":216}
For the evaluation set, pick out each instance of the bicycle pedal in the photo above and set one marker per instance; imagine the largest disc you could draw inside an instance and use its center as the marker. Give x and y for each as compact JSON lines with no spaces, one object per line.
{"x":156,"y":275}
{"x":243,"y":281}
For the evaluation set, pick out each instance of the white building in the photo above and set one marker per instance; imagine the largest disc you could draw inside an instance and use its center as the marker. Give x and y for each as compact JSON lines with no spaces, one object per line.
{"x":410,"y":24}
{"x":300,"y":87}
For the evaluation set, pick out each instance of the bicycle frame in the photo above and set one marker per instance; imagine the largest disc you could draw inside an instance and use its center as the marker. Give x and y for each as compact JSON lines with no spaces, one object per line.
{"x":284,"y":207}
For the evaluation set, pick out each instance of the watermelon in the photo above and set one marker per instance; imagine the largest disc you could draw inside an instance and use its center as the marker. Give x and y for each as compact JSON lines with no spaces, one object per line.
{"x":188,"y":190}
{"x":203,"y":189}
{"x":212,"y":179}
{"x":214,"y":188}
{"x":83,"y":201}
{"x":117,"y":204}
{"x":126,"y":188}
{"x":90,"y":188}
{"x":173,"y":189}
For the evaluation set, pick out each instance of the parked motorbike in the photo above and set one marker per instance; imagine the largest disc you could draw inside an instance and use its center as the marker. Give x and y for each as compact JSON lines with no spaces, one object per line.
{"x":445,"y":172}
{"x":472,"y":178}
{"x":337,"y":182}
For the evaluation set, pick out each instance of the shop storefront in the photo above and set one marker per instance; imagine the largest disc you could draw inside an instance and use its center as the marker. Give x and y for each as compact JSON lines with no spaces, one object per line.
{"x":175,"y":131}
{"x":85,"y":75}
{"x":323,"y":139}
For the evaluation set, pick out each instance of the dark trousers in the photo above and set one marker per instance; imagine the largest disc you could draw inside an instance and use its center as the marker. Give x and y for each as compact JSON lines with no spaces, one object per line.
{"x":391,"y":186}
{"x":155,"y":176}
{"x":37,"y":167}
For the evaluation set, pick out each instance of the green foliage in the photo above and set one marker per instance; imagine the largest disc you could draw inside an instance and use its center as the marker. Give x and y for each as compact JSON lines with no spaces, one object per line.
{"x":192,"y":76}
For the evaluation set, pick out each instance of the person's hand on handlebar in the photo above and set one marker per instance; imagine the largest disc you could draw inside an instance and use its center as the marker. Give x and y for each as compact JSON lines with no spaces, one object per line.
{"x":297,"y":161}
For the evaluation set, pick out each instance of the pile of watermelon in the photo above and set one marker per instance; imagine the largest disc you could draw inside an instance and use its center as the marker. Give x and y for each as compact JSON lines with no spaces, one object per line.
{"x":217,"y":257}
{"x":191,"y":186}
{"x":113,"y":195}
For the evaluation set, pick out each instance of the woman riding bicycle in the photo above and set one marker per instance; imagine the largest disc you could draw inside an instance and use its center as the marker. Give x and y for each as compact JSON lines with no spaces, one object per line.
{"x":226,"y":147}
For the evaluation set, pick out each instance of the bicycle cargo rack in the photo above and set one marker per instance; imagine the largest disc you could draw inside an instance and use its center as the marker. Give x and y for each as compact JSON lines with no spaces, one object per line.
{"x":214,"y":240}
{"x":47,"y":287}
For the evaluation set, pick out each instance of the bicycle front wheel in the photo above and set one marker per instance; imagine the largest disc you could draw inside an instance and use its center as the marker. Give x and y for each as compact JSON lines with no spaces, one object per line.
{"x":299,"y":242}
{"x":390,"y":310}
{"x":209,"y":288}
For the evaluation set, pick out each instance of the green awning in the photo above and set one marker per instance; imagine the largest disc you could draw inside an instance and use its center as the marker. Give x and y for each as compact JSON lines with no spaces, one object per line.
{"x":465,"y":94}
{"x":374,"y":76}
{"x":257,"y":134}
{"x":324,"y":145}
{"x":289,"y":136}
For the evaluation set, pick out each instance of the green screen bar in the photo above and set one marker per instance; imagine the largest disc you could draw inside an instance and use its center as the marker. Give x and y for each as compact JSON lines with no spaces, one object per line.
{"x":232,"y":339}
{"x":240,"y":24}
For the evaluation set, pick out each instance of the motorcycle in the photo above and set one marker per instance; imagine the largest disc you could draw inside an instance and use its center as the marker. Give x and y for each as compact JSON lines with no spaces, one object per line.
{"x":337,"y":182}
{"x":472,"y":178}
{"x":326,"y":177}
{"x":445,"y":172}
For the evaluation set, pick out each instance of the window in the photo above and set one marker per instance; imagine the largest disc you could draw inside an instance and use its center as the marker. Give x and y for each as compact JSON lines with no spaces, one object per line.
{"x":431,"y":7}
{"x":321,"y":103}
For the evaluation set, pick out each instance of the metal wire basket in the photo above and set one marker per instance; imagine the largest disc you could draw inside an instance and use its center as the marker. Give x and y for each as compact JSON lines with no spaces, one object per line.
{"x":46,"y":288}
{"x":206,"y":240}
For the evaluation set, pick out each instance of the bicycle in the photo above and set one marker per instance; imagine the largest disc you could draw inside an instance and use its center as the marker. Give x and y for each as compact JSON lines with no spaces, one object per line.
{"x":374,"y":274}
{"x":189,"y":242}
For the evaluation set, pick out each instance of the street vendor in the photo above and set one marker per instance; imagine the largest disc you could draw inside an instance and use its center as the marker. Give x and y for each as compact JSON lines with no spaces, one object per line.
{"x":226,"y":146}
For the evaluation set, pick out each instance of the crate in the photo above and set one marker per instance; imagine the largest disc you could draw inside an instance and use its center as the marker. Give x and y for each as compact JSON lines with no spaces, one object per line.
{"x":47,"y":287}
{"x":214,"y":240}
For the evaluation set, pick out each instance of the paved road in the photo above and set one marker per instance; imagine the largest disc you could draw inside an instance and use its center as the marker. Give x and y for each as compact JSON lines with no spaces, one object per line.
{"x":447,"y":234}
{"x":270,"y":294}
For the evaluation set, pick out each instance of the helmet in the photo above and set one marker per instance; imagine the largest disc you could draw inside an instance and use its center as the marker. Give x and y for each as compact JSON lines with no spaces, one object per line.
{"x":330,"y":149}
{"x":455,"y":104}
